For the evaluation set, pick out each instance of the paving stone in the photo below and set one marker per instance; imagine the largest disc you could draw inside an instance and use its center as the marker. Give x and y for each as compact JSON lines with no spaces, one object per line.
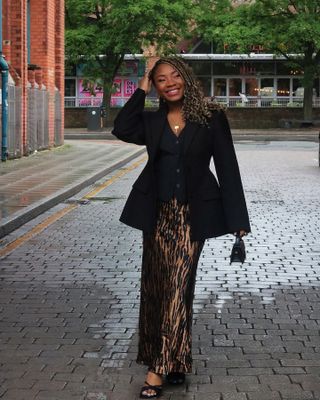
{"x":60,"y":395}
{"x":69,"y":298}
{"x":292,"y":394}
{"x":206,"y":396}
{"x":234,"y":396}
{"x":264,"y":395}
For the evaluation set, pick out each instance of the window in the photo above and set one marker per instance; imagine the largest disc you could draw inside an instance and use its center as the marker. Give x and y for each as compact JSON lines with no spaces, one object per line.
{"x":235,"y":86}
{"x":252,"y":87}
{"x":206,"y":85}
{"x":220,"y":87}
{"x":70,"y":88}
{"x":267,"y":87}
{"x":283,"y":88}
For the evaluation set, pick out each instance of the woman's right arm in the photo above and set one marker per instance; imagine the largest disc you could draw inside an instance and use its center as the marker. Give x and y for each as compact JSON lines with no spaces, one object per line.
{"x":128,"y":125}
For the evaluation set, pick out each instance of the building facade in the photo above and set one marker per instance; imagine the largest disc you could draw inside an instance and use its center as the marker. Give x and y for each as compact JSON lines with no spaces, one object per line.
{"x":253,"y":80}
{"x":237,"y":81}
{"x":33,"y":44}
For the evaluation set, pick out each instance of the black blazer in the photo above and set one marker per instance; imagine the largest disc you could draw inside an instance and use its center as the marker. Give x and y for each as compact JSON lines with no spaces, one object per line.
{"x":215,"y":209}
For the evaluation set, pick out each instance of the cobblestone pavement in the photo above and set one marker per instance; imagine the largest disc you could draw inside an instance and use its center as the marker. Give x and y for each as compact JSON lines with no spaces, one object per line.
{"x":69,"y":297}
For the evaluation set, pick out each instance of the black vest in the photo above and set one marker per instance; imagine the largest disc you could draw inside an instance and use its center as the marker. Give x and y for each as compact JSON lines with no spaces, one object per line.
{"x":169,"y":169}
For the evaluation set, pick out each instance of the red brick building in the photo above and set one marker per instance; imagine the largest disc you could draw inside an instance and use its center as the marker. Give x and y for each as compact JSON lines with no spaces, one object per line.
{"x":33,"y":44}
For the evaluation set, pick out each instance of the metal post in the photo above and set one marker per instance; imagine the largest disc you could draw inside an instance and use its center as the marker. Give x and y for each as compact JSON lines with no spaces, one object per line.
{"x":4,"y":68}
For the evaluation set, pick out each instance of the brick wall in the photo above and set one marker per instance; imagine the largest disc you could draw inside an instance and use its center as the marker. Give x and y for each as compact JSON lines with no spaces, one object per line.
{"x":46,"y":54}
{"x":265,"y":118}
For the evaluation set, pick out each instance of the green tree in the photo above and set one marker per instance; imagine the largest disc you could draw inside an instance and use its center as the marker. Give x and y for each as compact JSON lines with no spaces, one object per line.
{"x":100,"y":32}
{"x":290,"y":28}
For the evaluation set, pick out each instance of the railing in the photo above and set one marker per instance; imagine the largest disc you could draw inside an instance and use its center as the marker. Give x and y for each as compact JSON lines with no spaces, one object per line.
{"x":38,"y":120}
{"x":14,"y":121}
{"x":58,"y":134}
{"x":264,"y":102}
{"x":84,"y":102}
{"x":235,"y":101}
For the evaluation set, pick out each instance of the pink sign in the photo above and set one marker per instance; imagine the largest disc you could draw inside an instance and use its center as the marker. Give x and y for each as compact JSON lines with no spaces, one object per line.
{"x":117,"y":88}
{"x":85,"y":90}
{"x":87,"y":96}
{"x":130,"y":85}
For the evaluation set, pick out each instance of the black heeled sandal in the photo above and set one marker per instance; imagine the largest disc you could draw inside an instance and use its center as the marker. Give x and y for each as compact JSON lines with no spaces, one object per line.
{"x":176,"y":378}
{"x":157,"y":391}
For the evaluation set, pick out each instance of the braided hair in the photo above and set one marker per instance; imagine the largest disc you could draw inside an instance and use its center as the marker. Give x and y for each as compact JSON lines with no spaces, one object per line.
{"x":195,"y":107}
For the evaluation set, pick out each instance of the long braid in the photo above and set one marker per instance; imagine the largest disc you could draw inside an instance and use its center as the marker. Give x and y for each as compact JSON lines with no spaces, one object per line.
{"x":195,"y":107}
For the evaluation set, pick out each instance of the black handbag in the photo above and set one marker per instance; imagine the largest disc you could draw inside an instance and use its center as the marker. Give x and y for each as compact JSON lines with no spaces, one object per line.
{"x":238,"y":252}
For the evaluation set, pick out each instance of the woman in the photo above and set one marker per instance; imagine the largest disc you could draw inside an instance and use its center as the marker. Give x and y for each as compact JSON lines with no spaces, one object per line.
{"x":177,"y":203}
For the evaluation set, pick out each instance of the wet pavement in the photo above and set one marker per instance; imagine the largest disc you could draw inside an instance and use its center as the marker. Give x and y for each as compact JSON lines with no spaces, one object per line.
{"x":69,"y":295}
{"x":33,"y":184}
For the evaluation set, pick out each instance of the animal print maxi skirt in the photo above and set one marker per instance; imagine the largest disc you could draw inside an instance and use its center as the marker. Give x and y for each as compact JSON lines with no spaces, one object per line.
{"x":169,"y":265}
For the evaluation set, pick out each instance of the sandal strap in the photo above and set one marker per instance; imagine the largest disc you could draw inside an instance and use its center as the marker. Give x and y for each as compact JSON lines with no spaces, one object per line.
{"x":155,"y":387}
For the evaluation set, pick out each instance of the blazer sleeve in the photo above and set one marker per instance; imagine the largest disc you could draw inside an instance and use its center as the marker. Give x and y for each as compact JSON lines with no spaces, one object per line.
{"x":129,"y":125}
{"x":228,"y":174}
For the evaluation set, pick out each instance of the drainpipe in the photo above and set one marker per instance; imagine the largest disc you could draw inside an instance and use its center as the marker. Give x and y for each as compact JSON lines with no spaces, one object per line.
{"x":4,"y":68}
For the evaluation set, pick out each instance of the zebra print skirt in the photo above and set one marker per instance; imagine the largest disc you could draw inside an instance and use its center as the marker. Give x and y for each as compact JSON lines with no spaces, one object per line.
{"x":169,"y":265}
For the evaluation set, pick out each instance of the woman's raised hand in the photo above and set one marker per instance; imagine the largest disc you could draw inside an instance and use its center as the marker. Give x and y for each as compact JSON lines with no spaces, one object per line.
{"x":145,"y":82}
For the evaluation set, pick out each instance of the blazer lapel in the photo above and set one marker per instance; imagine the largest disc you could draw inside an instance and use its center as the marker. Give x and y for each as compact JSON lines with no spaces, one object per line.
{"x":190,"y":130}
{"x":157,"y":127}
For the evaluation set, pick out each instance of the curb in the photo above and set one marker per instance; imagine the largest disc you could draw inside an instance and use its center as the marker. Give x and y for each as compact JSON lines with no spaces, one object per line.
{"x":18,"y":219}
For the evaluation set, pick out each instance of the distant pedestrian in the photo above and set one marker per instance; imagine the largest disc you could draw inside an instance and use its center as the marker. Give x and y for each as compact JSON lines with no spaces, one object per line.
{"x":177,"y":203}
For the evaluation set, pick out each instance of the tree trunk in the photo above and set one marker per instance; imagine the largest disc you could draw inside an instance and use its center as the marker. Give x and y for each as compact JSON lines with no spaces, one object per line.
{"x":107,"y":102}
{"x":307,"y":103}
{"x":308,"y":93}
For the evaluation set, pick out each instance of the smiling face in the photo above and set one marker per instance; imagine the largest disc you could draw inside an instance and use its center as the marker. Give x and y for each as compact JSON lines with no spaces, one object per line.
{"x":169,"y":83}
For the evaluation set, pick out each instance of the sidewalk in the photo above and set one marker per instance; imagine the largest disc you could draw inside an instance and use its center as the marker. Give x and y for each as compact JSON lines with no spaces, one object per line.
{"x":31,"y":185}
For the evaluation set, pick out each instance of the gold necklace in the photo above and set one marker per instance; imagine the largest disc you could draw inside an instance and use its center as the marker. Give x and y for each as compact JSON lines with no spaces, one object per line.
{"x":176,"y":128}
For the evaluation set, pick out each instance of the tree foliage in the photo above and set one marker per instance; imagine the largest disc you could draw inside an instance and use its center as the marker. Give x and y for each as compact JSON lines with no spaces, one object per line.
{"x":290,"y":28}
{"x":100,"y":32}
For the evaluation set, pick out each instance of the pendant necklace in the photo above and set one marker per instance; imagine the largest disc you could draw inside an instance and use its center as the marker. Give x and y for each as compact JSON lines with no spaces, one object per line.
{"x":176,"y":128}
